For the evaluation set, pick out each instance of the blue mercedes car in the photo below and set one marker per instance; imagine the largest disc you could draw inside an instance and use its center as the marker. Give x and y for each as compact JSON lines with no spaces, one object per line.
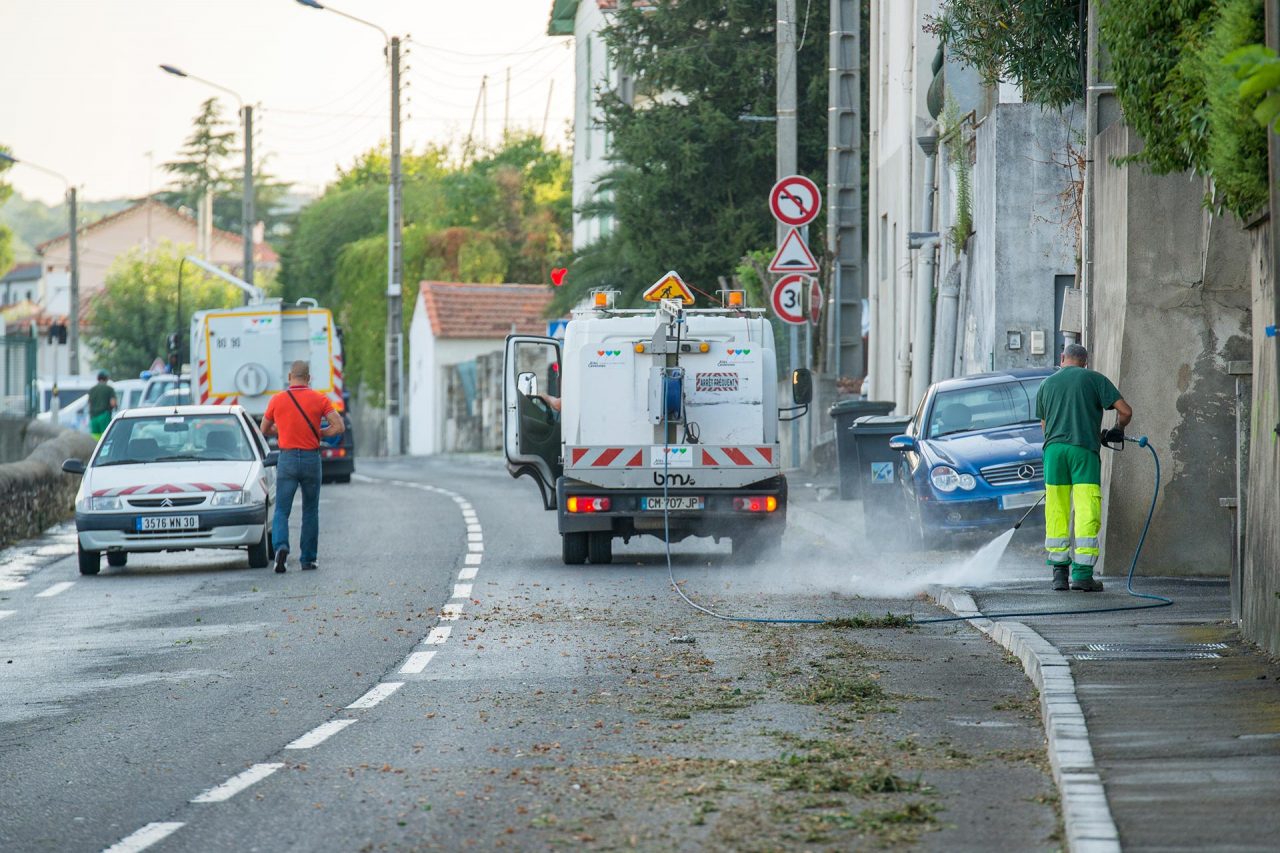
{"x":972,"y":455}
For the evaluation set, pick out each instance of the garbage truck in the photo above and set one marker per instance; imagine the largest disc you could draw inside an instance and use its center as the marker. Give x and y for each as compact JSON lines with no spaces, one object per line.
{"x":659,"y":421}
{"x":242,"y":355}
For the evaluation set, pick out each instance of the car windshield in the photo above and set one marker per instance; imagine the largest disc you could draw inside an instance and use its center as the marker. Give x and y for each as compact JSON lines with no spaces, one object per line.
{"x":174,"y":438}
{"x":984,"y":407}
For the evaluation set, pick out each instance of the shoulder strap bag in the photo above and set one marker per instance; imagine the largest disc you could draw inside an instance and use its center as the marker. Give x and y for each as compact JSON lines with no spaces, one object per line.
{"x":305,"y":417}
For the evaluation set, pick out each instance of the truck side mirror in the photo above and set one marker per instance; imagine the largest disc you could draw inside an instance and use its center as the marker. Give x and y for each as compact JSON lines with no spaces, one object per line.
{"x":802,"y":386}
{"x":527,"y":384}
{"x":73,"y":466}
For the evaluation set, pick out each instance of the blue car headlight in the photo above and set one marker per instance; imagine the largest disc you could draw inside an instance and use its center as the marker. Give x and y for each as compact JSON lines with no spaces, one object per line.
{"x":946,"y":480}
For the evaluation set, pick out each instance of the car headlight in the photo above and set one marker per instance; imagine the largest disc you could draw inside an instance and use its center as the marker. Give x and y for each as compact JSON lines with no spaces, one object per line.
{"x":944,"y":479}
{"x":99,"y":504}
{"x":236,"y":498}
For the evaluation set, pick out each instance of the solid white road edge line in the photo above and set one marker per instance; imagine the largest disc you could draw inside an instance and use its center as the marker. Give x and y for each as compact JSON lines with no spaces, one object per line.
{"x":144,"y":838}
{"x":438,"y":635}
{"x":461,"y":590}
{"x":416,"y":662}
{"x":57,"y":588}
{"x":237,"y":783}
{"x":376,"y":694}
{"x":319,"y":734}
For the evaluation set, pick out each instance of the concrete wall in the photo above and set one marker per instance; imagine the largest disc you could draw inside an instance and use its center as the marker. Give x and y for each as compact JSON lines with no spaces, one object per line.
{"x":1260,"y":607}
{"x":592,"y":72}
{"x":34,"y":492}
{"x":1020,"y":241}
{"x":1171,"y":308}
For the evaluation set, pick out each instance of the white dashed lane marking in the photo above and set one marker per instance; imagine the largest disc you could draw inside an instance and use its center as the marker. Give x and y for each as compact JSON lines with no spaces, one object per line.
{"x":416,"y":662}
{"x":475,"y":546}
{"x":438,"y":635}
{"x":461,"y":590}
{"x":144,"y":838}
{"x":376,"y":694}
{"x":237,"y":783}
{"x":451,"y":612}
{"x":4,"y":613}
{"x":56,"y":589}
{"x":474,"y":559}
{"x":319,"y":734}
{"x":467,"y":574}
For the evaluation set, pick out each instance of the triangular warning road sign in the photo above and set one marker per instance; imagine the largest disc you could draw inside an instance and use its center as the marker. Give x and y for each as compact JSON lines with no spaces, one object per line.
{"x":793,"y":255}
{"x":670,"y":286}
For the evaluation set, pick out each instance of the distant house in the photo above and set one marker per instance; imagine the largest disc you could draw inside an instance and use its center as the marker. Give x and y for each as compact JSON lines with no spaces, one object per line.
{"x":144,"y":225}
{"x":20,"y":284}
{"x":455,"y":323}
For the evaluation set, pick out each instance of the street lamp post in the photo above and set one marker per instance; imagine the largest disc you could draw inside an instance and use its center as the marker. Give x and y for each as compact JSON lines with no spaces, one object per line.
{"x":246,"y":207}
{"x":395,"y":226}
{"x":73,"y":234}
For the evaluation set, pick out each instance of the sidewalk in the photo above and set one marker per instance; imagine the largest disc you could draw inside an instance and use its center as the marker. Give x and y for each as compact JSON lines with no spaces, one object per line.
{"x":1182,"y":717}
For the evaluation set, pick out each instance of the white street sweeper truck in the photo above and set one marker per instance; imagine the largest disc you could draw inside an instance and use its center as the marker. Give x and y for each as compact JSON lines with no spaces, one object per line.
{"x":659,"y":421}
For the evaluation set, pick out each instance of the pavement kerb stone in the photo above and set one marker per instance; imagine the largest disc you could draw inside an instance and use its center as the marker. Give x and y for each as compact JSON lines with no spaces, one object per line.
{"x":1086,"y":814}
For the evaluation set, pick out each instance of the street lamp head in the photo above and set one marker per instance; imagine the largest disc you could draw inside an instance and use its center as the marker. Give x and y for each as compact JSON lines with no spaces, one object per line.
{"x":176,"y":72}
{"x":310,"y":4}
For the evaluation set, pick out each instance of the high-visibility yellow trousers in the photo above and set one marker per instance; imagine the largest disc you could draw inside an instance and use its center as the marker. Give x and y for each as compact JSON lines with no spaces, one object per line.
{"x":1072,"y":478}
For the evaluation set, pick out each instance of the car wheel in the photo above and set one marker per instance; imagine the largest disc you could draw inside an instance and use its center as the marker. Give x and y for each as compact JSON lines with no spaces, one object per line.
{"x":116,"y":559}
{"x":90,"y":561}
{"x":260,"y":553}
{"x":573,"y":548}
{"x":600,"y":546}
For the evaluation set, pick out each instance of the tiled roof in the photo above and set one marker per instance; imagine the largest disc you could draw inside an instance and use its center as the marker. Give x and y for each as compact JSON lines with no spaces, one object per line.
{"x":486,"y":311}
{"x":22,"y":272}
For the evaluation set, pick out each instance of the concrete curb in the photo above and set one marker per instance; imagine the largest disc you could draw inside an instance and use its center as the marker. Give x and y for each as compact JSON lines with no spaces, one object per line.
{"x":1086,"y":815}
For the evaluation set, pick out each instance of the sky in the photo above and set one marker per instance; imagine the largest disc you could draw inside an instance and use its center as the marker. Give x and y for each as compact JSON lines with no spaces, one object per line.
{"x":81,"y":92}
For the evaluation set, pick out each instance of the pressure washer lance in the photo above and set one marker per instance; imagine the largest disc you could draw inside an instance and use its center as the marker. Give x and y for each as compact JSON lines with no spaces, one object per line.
{"x":1158,"y":600}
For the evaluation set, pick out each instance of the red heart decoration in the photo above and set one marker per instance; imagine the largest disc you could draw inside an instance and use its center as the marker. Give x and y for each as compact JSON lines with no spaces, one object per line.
{"x":557,"y":275}
{"x":599,"y":352}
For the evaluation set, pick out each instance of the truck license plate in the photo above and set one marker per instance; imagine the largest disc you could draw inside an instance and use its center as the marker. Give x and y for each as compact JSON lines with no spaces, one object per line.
{"x":166,"y":523}
{"x":681,"y":502}
{"x":1021,"y":500}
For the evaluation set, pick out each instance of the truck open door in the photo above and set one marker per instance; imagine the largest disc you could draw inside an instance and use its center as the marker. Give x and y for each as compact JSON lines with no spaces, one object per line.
{"x":531,"y":424}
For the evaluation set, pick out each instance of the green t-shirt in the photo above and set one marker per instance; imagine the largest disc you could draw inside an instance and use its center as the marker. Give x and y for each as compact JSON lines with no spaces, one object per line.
{"x":100,"y":397}
{"x":1071,"y":402}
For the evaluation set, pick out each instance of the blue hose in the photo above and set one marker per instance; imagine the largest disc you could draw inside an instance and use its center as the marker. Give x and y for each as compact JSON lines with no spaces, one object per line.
{"x":1158,"y":600}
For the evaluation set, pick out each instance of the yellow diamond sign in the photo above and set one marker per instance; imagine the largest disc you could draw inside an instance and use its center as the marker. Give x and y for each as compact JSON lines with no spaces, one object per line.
{"x":670,"y":286}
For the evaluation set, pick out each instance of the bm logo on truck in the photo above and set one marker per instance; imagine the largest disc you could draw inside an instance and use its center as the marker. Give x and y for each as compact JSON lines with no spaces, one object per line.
{"x":606,"y":358}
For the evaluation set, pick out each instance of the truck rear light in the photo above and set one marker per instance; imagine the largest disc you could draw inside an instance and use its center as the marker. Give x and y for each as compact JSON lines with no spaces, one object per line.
{"x":333,"y":452}
{"x":759,"y":503}
{"x":576,"y":503}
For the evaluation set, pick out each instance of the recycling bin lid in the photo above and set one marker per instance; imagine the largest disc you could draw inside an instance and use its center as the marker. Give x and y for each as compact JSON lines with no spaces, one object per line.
{"x":893,"y":424}
{"x":863,"y":407}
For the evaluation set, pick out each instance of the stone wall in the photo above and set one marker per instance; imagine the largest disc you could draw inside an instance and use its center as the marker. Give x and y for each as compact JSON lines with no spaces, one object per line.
{"x":34,"y":493}
{"x":1170,"y":310}
{"x":1260,"y":605}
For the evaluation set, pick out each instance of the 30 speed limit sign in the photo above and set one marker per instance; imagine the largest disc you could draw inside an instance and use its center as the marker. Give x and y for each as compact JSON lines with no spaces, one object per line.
{"x":788,"y":298}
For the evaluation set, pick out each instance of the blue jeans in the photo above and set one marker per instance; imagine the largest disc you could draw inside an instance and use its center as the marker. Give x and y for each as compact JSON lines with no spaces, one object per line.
{"x":298,"y":468}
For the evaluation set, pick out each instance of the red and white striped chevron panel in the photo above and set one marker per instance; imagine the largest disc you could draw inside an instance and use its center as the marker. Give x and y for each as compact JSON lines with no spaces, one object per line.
{"x":166,"y":489}
{"x":736,"y":456}
{"x":729,"y":456}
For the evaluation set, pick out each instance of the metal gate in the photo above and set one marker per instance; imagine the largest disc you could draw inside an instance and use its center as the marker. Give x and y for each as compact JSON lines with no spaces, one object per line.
{"x":18,"y":376}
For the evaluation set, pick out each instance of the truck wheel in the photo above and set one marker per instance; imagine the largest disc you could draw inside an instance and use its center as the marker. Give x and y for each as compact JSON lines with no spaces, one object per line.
{"x":90,"y":561}
{"x":116,"y":559}
{"x":600,"y":546}
{"x":573,"y":547}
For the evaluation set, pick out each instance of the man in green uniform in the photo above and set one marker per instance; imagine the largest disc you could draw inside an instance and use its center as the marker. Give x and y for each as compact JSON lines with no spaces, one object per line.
{"x":1069,"y":405}
{"x":102,"y":402}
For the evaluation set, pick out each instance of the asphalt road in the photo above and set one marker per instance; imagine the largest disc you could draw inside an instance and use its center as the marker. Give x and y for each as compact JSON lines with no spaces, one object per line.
{"x":444,"y":682}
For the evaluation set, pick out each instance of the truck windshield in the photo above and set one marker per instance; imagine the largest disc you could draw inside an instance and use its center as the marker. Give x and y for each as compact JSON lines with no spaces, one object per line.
{"x":984,"y":407}
{"x":174,"y":438}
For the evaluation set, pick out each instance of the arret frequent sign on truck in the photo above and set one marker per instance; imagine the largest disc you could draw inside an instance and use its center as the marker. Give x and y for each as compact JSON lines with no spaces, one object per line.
{"x":242,"y":356}
{"x":668,"y":421}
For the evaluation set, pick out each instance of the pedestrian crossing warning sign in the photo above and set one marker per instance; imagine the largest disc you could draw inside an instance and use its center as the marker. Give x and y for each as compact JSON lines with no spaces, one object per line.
{"x":670,"y":286}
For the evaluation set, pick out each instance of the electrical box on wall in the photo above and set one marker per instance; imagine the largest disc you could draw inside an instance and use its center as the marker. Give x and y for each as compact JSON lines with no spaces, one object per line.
{"x":1013,"y":339}
{"x":1037,"y":342}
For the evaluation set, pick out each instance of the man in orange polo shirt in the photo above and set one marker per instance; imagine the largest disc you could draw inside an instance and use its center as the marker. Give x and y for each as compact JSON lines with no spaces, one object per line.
{"x":295,"y":415}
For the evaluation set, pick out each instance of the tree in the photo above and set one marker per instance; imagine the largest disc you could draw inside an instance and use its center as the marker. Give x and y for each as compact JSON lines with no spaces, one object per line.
{"x":138,"y":307}
{"x":692,"y":176}
{"x":201,"y":167}
{"x":6,"y":236}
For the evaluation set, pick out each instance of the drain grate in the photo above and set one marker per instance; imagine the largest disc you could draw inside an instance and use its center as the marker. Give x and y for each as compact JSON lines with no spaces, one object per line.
{"x":1121,"y":651}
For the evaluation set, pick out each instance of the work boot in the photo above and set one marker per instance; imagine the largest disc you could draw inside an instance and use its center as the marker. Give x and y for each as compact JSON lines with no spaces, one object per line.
{"x":1089,"y":584}
{"x":1060,"y":578}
